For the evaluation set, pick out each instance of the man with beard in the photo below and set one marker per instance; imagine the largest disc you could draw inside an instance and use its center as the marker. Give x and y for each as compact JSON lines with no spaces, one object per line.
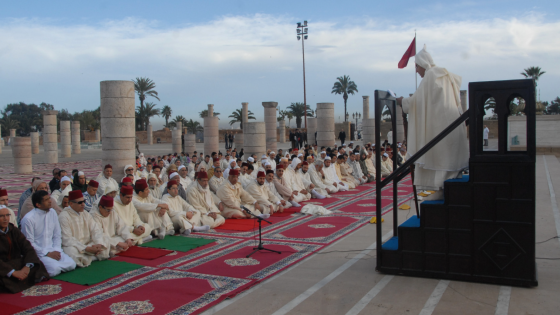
{"x":202,"y":199}
{"x":305,"y":177}
{"x":264,"y":197}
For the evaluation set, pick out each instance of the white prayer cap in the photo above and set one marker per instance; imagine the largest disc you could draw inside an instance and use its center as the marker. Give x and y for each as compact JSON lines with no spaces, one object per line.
{"x":356,"y":153}
{"x":80,"y":173}
{"x":181,"y":167}
{"x":267,"y":164}
{"x":323,"y":152}
{"x":128,"y":166}
{"x":399,"y":145}
{"x":272,"y":152}
{"x":173,"y":175}
{"x":263,"y":156}
{"x":327,"y":158}
{"x":385,"y":155}
{"x":295,"y":163}
{"x":424,"y":59}
{"x":300,"y":155}
{"x":65,"y":179}
{"x":250,"y":159}
{"x":351,"y":142}
{"x":152,"y":175}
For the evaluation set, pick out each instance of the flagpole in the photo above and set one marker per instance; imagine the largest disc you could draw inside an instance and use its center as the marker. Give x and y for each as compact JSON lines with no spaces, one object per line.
{"x":415,"y":75}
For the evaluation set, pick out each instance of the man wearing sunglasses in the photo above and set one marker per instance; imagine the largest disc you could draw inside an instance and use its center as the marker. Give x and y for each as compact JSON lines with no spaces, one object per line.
{"x":216,"y":180}
{"x":82,"y":238}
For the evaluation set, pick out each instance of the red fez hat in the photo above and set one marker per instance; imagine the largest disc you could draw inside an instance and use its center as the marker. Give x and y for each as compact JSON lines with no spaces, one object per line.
{"x":75,"y":194}
{"x":127,"y":180}
{"x":141,"y":185}
{"x":195,"y":174}
{"x":106,"y":201}
{"x":171,"y":183}
{"x":279,"y":167}
{"x":93,"y":183}
{"x":269,"y":172}
{"x":234,"y":172}
{"x":3,"y":192}
{"x":245,"y":164}
{"x":108,"y":166}
{"x":126,"y":190}
{"x":156,"y":166}
{"x":304,"y":163}
{"x":216,"y":160}
{"x":202,"y":175}
{"x":261,"y":174}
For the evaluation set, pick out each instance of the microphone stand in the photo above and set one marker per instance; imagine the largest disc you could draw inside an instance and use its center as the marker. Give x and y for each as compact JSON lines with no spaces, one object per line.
{"x":260,"y":247}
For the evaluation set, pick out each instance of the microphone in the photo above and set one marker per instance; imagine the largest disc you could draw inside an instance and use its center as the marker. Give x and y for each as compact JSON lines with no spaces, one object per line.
{"x":246,"y":210}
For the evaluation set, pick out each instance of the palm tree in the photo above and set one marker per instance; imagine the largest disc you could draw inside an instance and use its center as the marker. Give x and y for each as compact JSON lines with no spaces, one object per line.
{"x":178,"y":118}
{"x":9,"y":123}
{"x":204,"y":113}
{"x":290,"y":116}
{"x":298,"y":111}
{"x":533,"y":72}
{"x":145,"y":87}
{"x":166,"y":113}
{"x":148,"y":112}
{"x":192,"y":126}
{"x":237,"y":116}
{"x":344,"y":86}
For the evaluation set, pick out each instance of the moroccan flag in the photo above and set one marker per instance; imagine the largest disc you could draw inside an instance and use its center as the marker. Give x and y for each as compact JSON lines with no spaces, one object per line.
{"x":411,"y":51}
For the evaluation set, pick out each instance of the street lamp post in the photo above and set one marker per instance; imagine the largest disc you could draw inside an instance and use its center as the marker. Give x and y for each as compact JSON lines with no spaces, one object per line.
{"x":302,"y":34}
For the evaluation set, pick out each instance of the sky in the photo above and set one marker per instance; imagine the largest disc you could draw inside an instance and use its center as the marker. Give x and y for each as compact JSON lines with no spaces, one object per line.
{"x":228,"y":52}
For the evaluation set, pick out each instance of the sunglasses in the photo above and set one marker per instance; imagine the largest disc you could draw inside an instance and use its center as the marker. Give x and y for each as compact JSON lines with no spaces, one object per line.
{"x":79,"y":202}
{"x":130,"y":170}
{"x":218,"y":171}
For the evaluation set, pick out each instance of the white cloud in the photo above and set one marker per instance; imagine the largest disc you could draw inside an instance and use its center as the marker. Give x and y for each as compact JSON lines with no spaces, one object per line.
{"x":257,"y":58}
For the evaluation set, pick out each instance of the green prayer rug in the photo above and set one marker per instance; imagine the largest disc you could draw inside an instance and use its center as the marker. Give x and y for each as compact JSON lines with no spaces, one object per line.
{"x":98,"y":271}
{"x":178,"y":243}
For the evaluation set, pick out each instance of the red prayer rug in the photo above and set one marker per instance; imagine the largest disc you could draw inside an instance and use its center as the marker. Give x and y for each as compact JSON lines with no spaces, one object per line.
{"x":144,"y":252}
{"x":240,"y":225}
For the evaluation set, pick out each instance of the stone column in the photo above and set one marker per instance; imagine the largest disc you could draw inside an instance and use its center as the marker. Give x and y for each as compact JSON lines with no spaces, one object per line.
{"x":270,"y":122}
{"x":282,"y":131}
{"x":76,"y":139}
{"x":176,"y":138}
{"x":255,"y":139}
{"x":118,"y":125}
{"x":365,"y":113}
{"x":190,"y":143}
{"x":239,"y":138}
{"x":368,"y":130}
{"x":12,"y":134}
{"x":463,"y":95}
{"x":21,"y":151}
{"x":325,"y":124}
{"x":245,"y":112}
{"x":65,"y":139}
{"x":311,"y":128}
{"x":35,"y":142}
{"x":50,"y":137}
{"x":211,"y":132}
{"x":1,"y":139}
{"x":150,"y":135}
{"x":97,"y":135}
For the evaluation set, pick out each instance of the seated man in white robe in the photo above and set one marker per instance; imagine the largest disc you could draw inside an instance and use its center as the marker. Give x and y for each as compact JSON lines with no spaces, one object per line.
{"x":432,"y":108}
{"x":185,"y":217}
{"x":112,"y":225}
{"x":215,"y":163}
{"x":234,"y":197}
{"x":157,"y":170}
{"x":340,"y":170}
{"x":139,"y":231}
{"x":370,"y":165}
{"x":131,"y":170}
{"x":347,"y":170}
{"x":64,"y":182}
{"x":91,"y":195}
{"x":151,"y":210}
{"x":272,"y":159}
{"x":303,"y":175}
{"x":42,"y":230}
{"x":202,"y":199}
{"x":386,"y":165}
{"x":284,"y":187}
{"x":356,"y":168}
{"x":269,"y":183}
{"x":182,"y":190}
{"x":216,"y":180}
{"x":331,"y":176}
{"x":300,"y":193}
{"x":155,"y":189}
{"x":82,"y":238}
{"x":4,"y":204}
{"x":297,"y":182}
{"x":105,"y":178}
{"x":318,"y":178}
{"x":185,"y":180}
{"x":265,"y":198}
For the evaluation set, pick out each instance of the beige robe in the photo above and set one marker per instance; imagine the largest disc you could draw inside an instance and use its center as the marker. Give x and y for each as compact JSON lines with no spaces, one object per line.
{"x":348,"y":180}
{"x":348,"y":173}
{"x":319,"y":182}
{"x":79,"y":231}
{"x":386,"y":167}
{"x":233,"y":197}
{"x":113,"y":228}
{"x":178,"y":209}
{"x":370,"y":167}
{"x":203,"y":200}
{"x":156,"y":192}
{"x":272,"y":188}
{"x":103,"y":182}
{"x":148,"y":212}
{"x":298,"y":185}
{"x":215,"y":183}
{"x":331,"y":177}
{"x":306,"y":180}
{"x":129,"y":215}
{"x":264,"y":197}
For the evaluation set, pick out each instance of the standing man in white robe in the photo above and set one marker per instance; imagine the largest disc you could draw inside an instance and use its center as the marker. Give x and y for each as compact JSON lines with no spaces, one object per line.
{"x":82,"y":238}
{"x":433,"y":107}
{"x":105,"y":178}
{"x":42,"y":230}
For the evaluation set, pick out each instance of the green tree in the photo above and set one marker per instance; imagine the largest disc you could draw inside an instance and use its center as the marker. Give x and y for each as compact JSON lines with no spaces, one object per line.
{"x":344,"y":86}
{"x":177,"y":119}
{"x":146,"y":113}
{"x":204,"y":113}
{"x":533,"y":72}
{"x":166,"y":113}
{"x":290,"y":116}
{"x":237,"y":116}
{"x":298,"y":111}
{"x":145,"y":87}
{"x":8,"y":123}
{"x":193,"y":126}
{"x":29,"y":117}
{"x":554,"y":107}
